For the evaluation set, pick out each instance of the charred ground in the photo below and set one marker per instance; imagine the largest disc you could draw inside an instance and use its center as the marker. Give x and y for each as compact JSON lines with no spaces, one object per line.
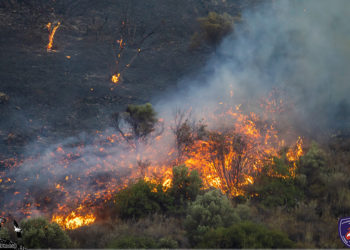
{"x":52,"y":96}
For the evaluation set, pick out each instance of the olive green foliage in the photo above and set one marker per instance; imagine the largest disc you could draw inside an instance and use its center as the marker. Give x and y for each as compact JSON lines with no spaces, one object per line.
{"x":136,"y":123}
{"x":185,"y":185}
{"x":210,"y":210}
{"x":271,"y":190}
{"x":325,"y":182}
{"x":39,"y":233}
{"x":127,"y":242}
{"x":212,"y":29}
{"x":141,"y":199}
{"x":4,"y":233}
{"x":245,"y":235}
{"x":314,"y":168}
{"x":141,"y":118}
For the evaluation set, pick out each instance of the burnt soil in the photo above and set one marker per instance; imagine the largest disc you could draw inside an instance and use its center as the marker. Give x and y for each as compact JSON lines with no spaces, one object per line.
{"x":52,"y":96}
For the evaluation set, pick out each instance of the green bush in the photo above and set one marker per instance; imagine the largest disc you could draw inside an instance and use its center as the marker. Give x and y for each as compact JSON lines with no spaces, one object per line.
{"x":126,"y":242}
{"x":314,"y":166}
{"x":142,"y":119}
{"x":211,"y":210}
{"x":245,"y":235}
{"x":4,"y":233}
{"x":141,"y":199}
{"x":275,"y":187}
{"x":39,"y":233}
{"x":185,"y":185}
{"x":212,"y":29}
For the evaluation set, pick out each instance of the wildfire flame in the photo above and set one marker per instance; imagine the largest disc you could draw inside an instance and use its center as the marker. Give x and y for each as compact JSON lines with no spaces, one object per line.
{"x":74,"y":219}
{"x":52,"y":34}
{"x":227,"y":157}
{"x":115,"y":78}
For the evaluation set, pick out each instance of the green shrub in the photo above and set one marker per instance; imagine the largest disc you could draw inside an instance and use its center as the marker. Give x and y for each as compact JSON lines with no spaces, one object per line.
{"x":141,"y":199}
{"x":185,"y":185}
{"x":275,"y":187}
{"x":314,"y":166}
{"x":39,"y":233}
{"x":211,"y":210}
{"x":4,"y":233}
{"x":245,"y":235}
{"x":212,"y":29}
{"x":127,"y":242}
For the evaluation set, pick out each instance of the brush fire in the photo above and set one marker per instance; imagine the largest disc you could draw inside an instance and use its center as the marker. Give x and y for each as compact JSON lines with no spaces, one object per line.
{"x":72,"y":180}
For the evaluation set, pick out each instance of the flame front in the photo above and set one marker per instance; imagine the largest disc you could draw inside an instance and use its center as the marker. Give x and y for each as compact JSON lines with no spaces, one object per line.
{"x":228,"y":157}
{"x":74,"y":219}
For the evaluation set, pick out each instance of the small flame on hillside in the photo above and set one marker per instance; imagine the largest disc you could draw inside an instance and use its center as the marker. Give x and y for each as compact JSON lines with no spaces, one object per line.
{"x":115,"y":78}
{"x":52,"y":34}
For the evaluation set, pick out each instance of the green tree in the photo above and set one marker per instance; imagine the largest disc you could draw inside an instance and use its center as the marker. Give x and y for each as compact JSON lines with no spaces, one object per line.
{"x":185,"y":185}
{"x":141,"y":199}
{"x":245,"y":235}
{"x":210,"y":210}
{"x":213,"y":28}
{"x":140,"y":119}
{"x":39,"y":233}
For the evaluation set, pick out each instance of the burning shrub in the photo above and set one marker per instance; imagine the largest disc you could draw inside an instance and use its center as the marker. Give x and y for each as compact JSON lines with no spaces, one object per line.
{"x":211,"y":210}
{"x":245,"y":235}
{"x":39,"y":233}
{"x":141,"y":199}
{"x":275,"y":186}
{"x":186,"y":133}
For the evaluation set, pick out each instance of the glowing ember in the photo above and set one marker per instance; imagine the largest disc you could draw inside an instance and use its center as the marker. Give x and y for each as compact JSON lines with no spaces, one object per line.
{"x":52,"y":34}
{"x":115,"y":78}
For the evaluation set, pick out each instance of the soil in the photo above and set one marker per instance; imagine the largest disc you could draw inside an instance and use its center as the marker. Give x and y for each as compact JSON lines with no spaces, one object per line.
{"x":53,"y":95}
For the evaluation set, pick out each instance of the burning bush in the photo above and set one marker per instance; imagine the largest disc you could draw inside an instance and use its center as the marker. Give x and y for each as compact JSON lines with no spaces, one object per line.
{"x":275,"y":186}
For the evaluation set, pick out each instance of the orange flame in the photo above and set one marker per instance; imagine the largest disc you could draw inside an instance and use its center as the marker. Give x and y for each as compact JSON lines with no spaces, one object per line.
{"x":52,"y":34}
{"x":74,"y":219}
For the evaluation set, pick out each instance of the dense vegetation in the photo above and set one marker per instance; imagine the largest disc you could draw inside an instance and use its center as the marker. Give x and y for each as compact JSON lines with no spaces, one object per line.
{"x":275,"y":212}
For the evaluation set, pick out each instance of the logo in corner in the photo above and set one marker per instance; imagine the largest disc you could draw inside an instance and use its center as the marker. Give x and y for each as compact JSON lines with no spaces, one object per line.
{"x":344,"y":230}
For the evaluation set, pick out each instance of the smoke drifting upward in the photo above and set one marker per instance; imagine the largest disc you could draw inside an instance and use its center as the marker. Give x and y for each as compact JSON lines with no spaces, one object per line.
{"x":299,"y":47}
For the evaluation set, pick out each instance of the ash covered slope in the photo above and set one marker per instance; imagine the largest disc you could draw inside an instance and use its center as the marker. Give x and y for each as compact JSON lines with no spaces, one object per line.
{"x":55,"y":96}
